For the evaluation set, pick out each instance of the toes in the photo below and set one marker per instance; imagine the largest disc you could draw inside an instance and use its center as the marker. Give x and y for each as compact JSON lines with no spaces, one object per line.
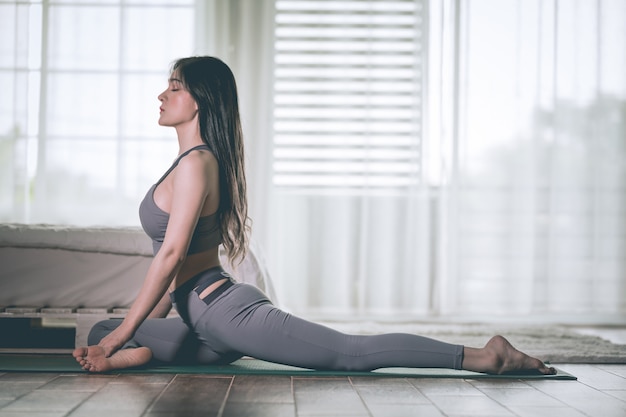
{"x":508,"y":358}
{"x":548,"y":370}
{"x":79,"y":352}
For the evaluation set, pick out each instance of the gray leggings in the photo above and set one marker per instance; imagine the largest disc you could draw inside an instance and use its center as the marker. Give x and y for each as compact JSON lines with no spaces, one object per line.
{"x":242,"y":321}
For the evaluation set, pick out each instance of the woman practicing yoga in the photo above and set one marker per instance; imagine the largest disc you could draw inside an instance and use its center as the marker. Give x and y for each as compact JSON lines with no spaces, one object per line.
{"x":200,"y":203}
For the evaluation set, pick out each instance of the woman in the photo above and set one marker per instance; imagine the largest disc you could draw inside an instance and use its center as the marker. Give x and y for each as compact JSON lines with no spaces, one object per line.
{"x":200,"y":203}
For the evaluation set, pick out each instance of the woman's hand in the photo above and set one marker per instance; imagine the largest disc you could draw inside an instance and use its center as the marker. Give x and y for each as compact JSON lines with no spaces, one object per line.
{"x":112,"y":342}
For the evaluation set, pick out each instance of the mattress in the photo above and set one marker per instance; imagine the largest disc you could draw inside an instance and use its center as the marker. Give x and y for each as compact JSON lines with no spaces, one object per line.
{"x":60,"y":266}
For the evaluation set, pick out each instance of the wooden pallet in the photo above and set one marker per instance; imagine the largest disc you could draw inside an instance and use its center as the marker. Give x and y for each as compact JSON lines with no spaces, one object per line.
{"x":81,"y":317}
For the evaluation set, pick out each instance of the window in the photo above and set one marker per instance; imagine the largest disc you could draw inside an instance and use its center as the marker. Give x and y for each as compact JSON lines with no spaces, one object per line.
{"x":79,"y":139}
{"x":349,"y":87}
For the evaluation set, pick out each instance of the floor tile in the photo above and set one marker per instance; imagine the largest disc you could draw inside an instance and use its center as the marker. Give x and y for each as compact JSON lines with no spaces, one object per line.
{"x":28,"y":377}
{"x":521,"y":397}
{"x":431,"y":386}
{"x":130,"y":399}
{"x":538,"y":411}
{"x":259,"y":409}
{"x":142,"y":379}
{"x":596,"y":377}
{"x":389,"y":391}
{"x":31,"y":414}
{"x":182,"y":413}
{"x":614,"y":369}
{"x":12,"y":390}
{"x":270,"y":389}
{"x":499,"y":383}
{"x":619,"y":394}
{"x":77,"y":383}
{"x":404,"y":410}
{"x":583,"y":398}
{"x":327,"y":397}
{"x":81,"y":412}
{"x":48,"y":401}
{"x":193,"y":393}
{"x":470,"y":405}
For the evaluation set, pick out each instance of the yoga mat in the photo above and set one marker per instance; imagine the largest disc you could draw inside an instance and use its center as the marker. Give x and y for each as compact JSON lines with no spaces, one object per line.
{"x":249,"y":366}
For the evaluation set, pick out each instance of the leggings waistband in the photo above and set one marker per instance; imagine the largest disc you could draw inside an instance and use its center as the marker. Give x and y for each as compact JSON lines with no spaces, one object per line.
{"x":215,"y":293}
{"x":201,"y":281}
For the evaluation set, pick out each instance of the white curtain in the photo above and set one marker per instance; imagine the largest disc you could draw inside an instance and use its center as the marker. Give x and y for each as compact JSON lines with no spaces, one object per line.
{"x":519,"y":207}
{"x":535,"y":213}
{"x":79,"y":139}
{"x":240,"y":32}
{"x":350,"y":210}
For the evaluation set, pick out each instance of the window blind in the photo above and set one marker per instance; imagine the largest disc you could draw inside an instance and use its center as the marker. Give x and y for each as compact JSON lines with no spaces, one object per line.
{"x":348,"y":93}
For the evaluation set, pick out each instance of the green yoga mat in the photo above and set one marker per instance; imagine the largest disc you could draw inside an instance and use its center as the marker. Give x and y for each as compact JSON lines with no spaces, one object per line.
{"x":248,"y":366}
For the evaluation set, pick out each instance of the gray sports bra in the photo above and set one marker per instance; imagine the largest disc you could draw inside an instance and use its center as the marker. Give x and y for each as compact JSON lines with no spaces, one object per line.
{"x":154,"y":221}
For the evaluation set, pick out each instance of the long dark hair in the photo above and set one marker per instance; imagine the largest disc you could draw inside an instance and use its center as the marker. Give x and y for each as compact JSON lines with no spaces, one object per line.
{"x":212,"y":85}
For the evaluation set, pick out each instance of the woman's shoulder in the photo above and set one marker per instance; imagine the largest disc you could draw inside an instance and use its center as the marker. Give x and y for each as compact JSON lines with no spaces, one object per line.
{"x":199,"y":157}
{"x":199,"y":162}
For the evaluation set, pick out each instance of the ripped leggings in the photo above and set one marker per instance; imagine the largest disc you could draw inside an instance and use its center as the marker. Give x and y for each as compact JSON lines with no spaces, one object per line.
{"x":241,"y":321}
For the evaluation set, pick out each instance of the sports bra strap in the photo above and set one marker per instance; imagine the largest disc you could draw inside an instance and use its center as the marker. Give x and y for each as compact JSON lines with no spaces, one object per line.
{"x":175,"y":163}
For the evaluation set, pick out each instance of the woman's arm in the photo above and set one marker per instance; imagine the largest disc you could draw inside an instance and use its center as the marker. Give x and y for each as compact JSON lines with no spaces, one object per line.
{"x":162,"y":309}
{"x":188,"y":195}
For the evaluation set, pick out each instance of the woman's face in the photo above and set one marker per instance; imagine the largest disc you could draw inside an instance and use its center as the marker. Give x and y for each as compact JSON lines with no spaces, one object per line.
{"x":177,"y":105}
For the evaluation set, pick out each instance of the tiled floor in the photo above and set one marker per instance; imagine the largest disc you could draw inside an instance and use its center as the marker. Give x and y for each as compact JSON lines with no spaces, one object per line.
{"x":600,"y":391}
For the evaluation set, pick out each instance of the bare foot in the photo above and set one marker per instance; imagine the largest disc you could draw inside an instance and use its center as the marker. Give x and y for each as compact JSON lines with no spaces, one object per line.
{"x":93,"y":359}
{"x":499,"y":357}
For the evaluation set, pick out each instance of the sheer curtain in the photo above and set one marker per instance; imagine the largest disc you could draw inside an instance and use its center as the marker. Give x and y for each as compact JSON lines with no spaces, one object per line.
{"x":534,"y":210}
{"x":240,"y":32}
{"x":516,"y":203}
{"x":350,"y":210}
{"x":79,"y":139}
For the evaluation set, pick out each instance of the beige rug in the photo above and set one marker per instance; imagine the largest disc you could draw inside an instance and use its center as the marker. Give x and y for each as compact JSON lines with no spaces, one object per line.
{"x":554,"y":344}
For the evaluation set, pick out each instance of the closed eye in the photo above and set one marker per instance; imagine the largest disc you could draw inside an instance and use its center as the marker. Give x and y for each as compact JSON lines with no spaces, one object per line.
{"x":175,"y":84}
